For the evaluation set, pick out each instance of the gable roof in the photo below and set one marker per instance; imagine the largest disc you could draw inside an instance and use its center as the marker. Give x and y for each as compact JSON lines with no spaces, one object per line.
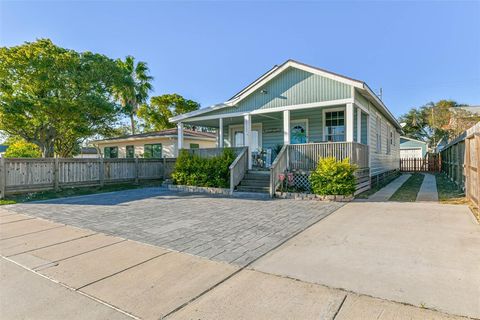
{"x":168,"y":133}
{"x":411,"y":139}
{"x":275,"y":71}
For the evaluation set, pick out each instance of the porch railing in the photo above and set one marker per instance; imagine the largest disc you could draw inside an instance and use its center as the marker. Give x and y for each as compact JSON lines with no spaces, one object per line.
{"x":306,"y":156}
{"x":278,"y":166}
{"x":238,"y":168}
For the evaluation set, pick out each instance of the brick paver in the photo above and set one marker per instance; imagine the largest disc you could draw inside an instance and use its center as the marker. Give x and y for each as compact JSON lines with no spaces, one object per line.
{"x":224,"y":229}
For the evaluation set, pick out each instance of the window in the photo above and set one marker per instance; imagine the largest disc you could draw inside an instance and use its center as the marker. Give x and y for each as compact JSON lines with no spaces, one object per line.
{"x":194,"y":146}
{"x":152,"y":150}
{"x":110,"y":152}
{"x":389,"y":139}
{"x":335,"y":125}
{"x":379,"y":134}
{"x":130,"y":151}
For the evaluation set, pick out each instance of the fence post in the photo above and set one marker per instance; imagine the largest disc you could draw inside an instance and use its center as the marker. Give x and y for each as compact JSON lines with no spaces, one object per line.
{"x":3,"y":178}
{"x":477,"y":155}
{"x":164,"y":168}
{"x":137,"y":170}
{"x":55,"y":173}
{"x":466,"y":166}
{"x":101,"y":172}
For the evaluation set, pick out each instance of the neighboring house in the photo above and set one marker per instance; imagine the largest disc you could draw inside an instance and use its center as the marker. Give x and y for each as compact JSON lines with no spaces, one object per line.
{"x":3,"y":148}
{"x":157,"y":144}
{"x":412,"y":148}
{"x":295,"y":103}
{"x":87,"y":153}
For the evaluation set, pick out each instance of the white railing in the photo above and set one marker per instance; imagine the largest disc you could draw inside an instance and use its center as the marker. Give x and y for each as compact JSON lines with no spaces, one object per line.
{"x":306,"y":156}
{"x":238,"y":168}
{"x":278,"y":166}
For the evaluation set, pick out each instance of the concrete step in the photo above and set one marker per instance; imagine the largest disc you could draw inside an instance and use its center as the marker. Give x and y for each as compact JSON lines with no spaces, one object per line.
{"x":255,"y":183}
{"x":253,"y":189}
{"x":257,"y":176}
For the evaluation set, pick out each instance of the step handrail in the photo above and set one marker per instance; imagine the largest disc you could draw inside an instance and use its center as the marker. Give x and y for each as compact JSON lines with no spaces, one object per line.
{"x":238,"y":168}
{"x":278,"y":166}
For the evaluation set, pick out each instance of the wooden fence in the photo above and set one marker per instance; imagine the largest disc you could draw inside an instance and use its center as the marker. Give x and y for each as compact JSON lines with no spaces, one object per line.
{"x":461,"y":163}
{"x":431,"y":163}
{"x":30,"y":175}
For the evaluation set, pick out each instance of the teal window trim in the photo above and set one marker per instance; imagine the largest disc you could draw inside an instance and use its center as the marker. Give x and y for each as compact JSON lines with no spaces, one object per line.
{"x":110,"y":152}
{"x":130,"y":151}
{"x":153,"y":150}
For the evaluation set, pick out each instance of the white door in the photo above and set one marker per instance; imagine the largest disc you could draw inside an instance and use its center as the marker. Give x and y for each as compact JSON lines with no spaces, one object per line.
{"x":236,"y":134}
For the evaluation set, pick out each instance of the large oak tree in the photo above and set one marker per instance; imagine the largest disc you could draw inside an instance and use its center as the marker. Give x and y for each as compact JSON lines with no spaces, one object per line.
{"x":55,"y":97}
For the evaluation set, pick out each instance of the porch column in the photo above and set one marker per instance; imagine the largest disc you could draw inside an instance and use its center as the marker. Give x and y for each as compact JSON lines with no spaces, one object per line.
{"x":286,"y":127}
{"x":179,"y":137}
{"x":359,"y":125}
{"x":220,"y":133}
{"x":247,"y":137}
{"x":349,"y":122}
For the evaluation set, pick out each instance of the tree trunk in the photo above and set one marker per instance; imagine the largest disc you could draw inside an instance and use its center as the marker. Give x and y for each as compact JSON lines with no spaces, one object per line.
{"x":132,"y":123}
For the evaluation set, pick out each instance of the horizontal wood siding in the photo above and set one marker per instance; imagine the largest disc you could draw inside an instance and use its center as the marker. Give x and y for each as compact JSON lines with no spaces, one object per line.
{"x":291,"y":87}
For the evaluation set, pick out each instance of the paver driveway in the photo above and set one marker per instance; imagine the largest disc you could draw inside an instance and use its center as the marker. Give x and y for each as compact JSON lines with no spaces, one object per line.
{"x":224,"y":229}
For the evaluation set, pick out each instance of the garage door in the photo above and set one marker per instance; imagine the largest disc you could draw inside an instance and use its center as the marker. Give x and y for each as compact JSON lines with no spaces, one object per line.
{"x":411,"y":153}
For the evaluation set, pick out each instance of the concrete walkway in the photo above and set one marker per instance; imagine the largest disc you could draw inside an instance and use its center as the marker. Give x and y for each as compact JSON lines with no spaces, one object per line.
{"x":53,"y":271}
{"x":386,"y":192}
{"x":422,"y":253}
{"x":428,"y":190}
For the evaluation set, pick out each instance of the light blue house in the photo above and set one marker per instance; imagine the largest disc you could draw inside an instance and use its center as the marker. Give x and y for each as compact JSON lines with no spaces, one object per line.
{"x":294,"y":114}
{"x":412,"y":148}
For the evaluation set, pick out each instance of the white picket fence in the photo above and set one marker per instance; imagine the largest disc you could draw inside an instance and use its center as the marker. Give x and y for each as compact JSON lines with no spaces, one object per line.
{"x":20,"y":175}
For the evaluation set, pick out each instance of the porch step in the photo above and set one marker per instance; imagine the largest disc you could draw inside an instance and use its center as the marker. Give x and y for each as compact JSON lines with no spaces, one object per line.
{"x":257,"y":175}
{"x":255,"y":183}
{"x":253,"y":189}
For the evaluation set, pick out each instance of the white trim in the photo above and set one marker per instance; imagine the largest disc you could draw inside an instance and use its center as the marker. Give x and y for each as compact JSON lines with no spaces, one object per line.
{"x":411,"y":139}
{"x":180,"y":135}
{"x":292,"y":122}
{"x":361,"y":106}
{"x":247,"y":137}
{"x":324,"y":131}
{"x":286,"y":127}
{"x":349,"y":110}
{"x":199,"y":111}
{"x":170,"y":137}
{"x":359,"y":125}
{"x":220,"y":133}
{"x":383,"y":106}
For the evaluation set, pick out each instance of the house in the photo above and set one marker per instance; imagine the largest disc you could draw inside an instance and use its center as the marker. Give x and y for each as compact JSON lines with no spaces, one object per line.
{"x":308,"y":113}
{"x":157,"y":144}
{"x":412,"y":148}
{"x":87,"y":153}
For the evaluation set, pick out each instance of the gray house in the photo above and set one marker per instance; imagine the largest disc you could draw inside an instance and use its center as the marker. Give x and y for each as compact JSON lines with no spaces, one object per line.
{"x":294,"y":114}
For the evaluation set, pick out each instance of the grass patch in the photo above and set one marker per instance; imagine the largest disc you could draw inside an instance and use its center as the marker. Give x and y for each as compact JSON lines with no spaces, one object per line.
{"x":72,"y":192}
{"x":377,"y":187}
{"x":448,"y":192}
{"x":3,"y":202}
{"x":409,"y":189}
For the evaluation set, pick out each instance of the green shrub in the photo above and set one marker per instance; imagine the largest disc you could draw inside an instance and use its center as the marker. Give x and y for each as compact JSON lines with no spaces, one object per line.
{"x":333,"y":177}
{"x":192,"y":170}
{"x":22,"y":149}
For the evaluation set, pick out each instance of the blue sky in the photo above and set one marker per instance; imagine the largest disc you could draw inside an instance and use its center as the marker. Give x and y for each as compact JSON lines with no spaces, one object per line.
{"x":207,"y":51}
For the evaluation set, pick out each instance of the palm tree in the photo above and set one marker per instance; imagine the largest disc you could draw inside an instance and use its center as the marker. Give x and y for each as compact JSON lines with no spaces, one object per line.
{"x":135,"y":90}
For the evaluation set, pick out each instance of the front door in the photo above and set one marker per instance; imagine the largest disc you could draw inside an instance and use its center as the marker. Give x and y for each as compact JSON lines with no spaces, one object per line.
{"x":298,"y":131}
{"x":237,"y":137}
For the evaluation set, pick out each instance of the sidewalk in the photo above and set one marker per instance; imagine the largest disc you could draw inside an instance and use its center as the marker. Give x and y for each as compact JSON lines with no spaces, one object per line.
{"x":53,"y":271}
{"x":428,"y":190}
{"x":386,"y":192}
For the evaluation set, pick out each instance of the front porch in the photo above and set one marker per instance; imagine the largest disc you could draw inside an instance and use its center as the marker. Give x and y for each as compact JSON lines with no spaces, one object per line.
{"x":265,"y":133}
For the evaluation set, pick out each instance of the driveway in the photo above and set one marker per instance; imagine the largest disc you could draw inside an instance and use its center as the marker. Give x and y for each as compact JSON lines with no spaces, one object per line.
{"x":425,"y":254}
{"x":230,"y":230}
